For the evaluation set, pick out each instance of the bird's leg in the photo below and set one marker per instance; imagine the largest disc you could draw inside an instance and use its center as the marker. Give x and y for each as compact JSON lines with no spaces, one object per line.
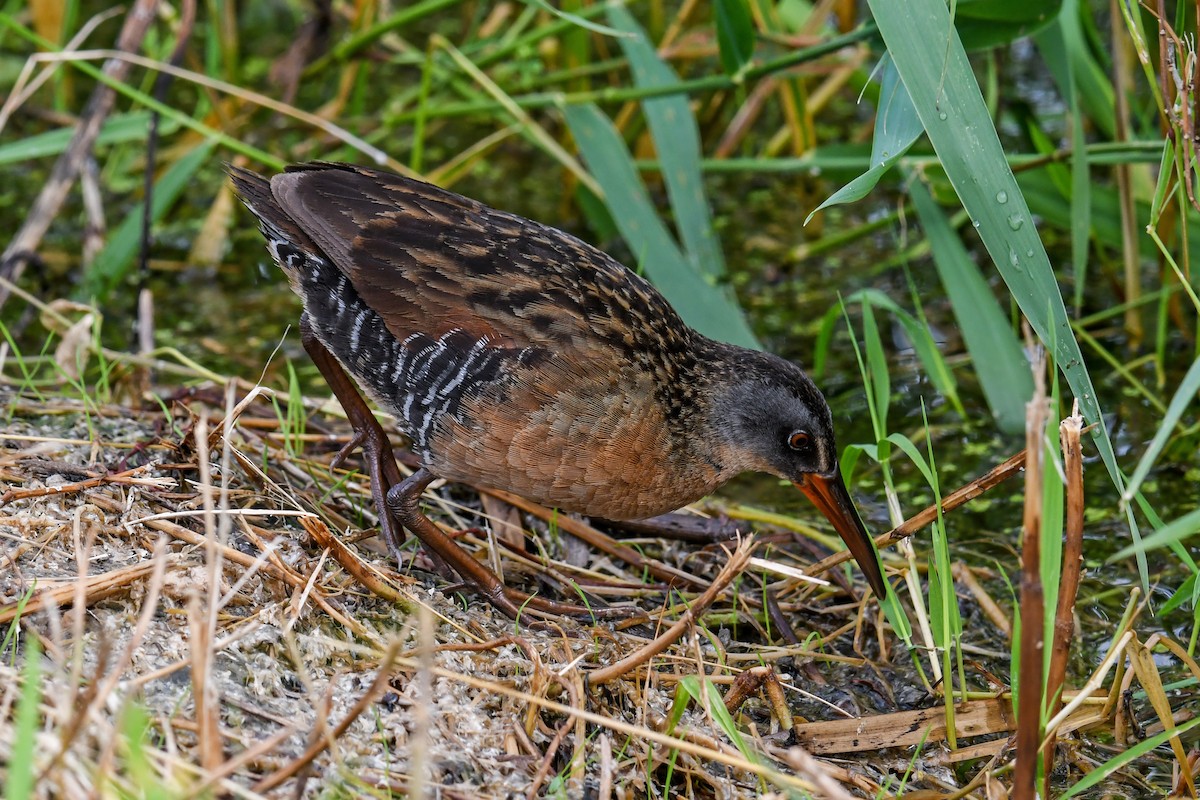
{"x":404,"y":501}
{"x":368,"y":434}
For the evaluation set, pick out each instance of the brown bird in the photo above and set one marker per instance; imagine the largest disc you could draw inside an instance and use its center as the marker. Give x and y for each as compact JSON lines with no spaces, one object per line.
{"x":517,"y":357}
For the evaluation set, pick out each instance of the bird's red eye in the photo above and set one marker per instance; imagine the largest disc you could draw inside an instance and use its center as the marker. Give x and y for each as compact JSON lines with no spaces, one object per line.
{"x":799,"y":440}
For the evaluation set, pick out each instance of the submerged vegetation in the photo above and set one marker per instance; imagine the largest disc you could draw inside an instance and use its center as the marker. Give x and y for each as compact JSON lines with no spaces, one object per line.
{"x":975,"y":231}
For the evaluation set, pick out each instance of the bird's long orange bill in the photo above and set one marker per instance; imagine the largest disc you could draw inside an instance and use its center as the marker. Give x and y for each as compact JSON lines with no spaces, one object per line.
{"x":829,"y":494}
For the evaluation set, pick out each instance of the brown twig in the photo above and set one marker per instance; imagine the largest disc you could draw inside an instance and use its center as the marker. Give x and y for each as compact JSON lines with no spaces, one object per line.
{"x":996,"y":475}
{"x":79,"y":486}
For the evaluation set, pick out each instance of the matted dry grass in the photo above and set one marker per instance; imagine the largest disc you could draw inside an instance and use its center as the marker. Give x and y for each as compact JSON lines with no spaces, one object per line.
{"x":211,"y":620}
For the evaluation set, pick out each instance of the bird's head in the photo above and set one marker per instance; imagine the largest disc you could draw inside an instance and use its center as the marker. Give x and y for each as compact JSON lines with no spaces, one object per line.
{"x":771,"y":418}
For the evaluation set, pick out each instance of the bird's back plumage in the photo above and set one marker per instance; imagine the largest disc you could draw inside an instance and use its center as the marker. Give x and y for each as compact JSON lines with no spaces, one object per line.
{"x":515,"y":355}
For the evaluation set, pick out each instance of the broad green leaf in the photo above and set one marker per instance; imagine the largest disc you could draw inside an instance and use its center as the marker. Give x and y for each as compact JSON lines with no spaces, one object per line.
{"x":735,"y":34}
{"x":677,"y":142}
{"x":989,"y":23}
{"x":703,"y":304}
{"x":998,"y":357}
{"x":897,"y":126}
{"x":938,"y":75}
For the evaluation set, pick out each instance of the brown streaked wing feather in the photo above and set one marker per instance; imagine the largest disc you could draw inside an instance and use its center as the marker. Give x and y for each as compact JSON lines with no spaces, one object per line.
{"x":517,"y":356}
{"x":429,"y":260}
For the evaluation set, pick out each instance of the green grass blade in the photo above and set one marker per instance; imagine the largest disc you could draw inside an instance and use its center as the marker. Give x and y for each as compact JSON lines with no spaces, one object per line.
{"x":1137,"y":751}
{"x":939,"y":77}
{"x":881,"y":381}
{"x":1053,"y":498}
{"x":918,"y":335}
{"x":677,"y":142}
{"x":703,"y":304}
{"x":1169,"y":534}
{"x":1184,"y":594}
{"x":115,"y":260}
{"x":1064,"y":58}
{"x":704,"y":694}
{"x":997,"y":355}
{"x":1047,"y":203}
{"x":119,"y":128}
{"x":25,"y":730}
{"x":1091,"y":80}
{"x":1182,"y":400}
{"x":576,"y":20}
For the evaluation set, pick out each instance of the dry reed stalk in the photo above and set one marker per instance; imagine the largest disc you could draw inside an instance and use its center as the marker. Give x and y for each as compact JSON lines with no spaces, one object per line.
{"x":823,"y":779}
{"x":365,"y":574}
{"x":1029,"y":702}
{"x":605,"y":792}
{"x":1072,"y":568}
{"x":419,"y":767}
{"x":94,"y":589}
{"x":204,"y":688}
{"x":990,"y":608}
{"x":127,"y":478}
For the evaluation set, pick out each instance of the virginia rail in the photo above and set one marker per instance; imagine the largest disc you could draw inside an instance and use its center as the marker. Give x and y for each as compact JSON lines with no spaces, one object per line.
{"x":517,"y":357}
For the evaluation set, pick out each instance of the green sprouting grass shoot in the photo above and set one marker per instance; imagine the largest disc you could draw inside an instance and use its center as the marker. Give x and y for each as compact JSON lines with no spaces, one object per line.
{"x":22,"y":764}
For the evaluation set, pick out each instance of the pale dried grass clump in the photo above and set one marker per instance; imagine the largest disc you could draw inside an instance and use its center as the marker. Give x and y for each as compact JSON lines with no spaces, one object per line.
{"x":208,"y":621}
